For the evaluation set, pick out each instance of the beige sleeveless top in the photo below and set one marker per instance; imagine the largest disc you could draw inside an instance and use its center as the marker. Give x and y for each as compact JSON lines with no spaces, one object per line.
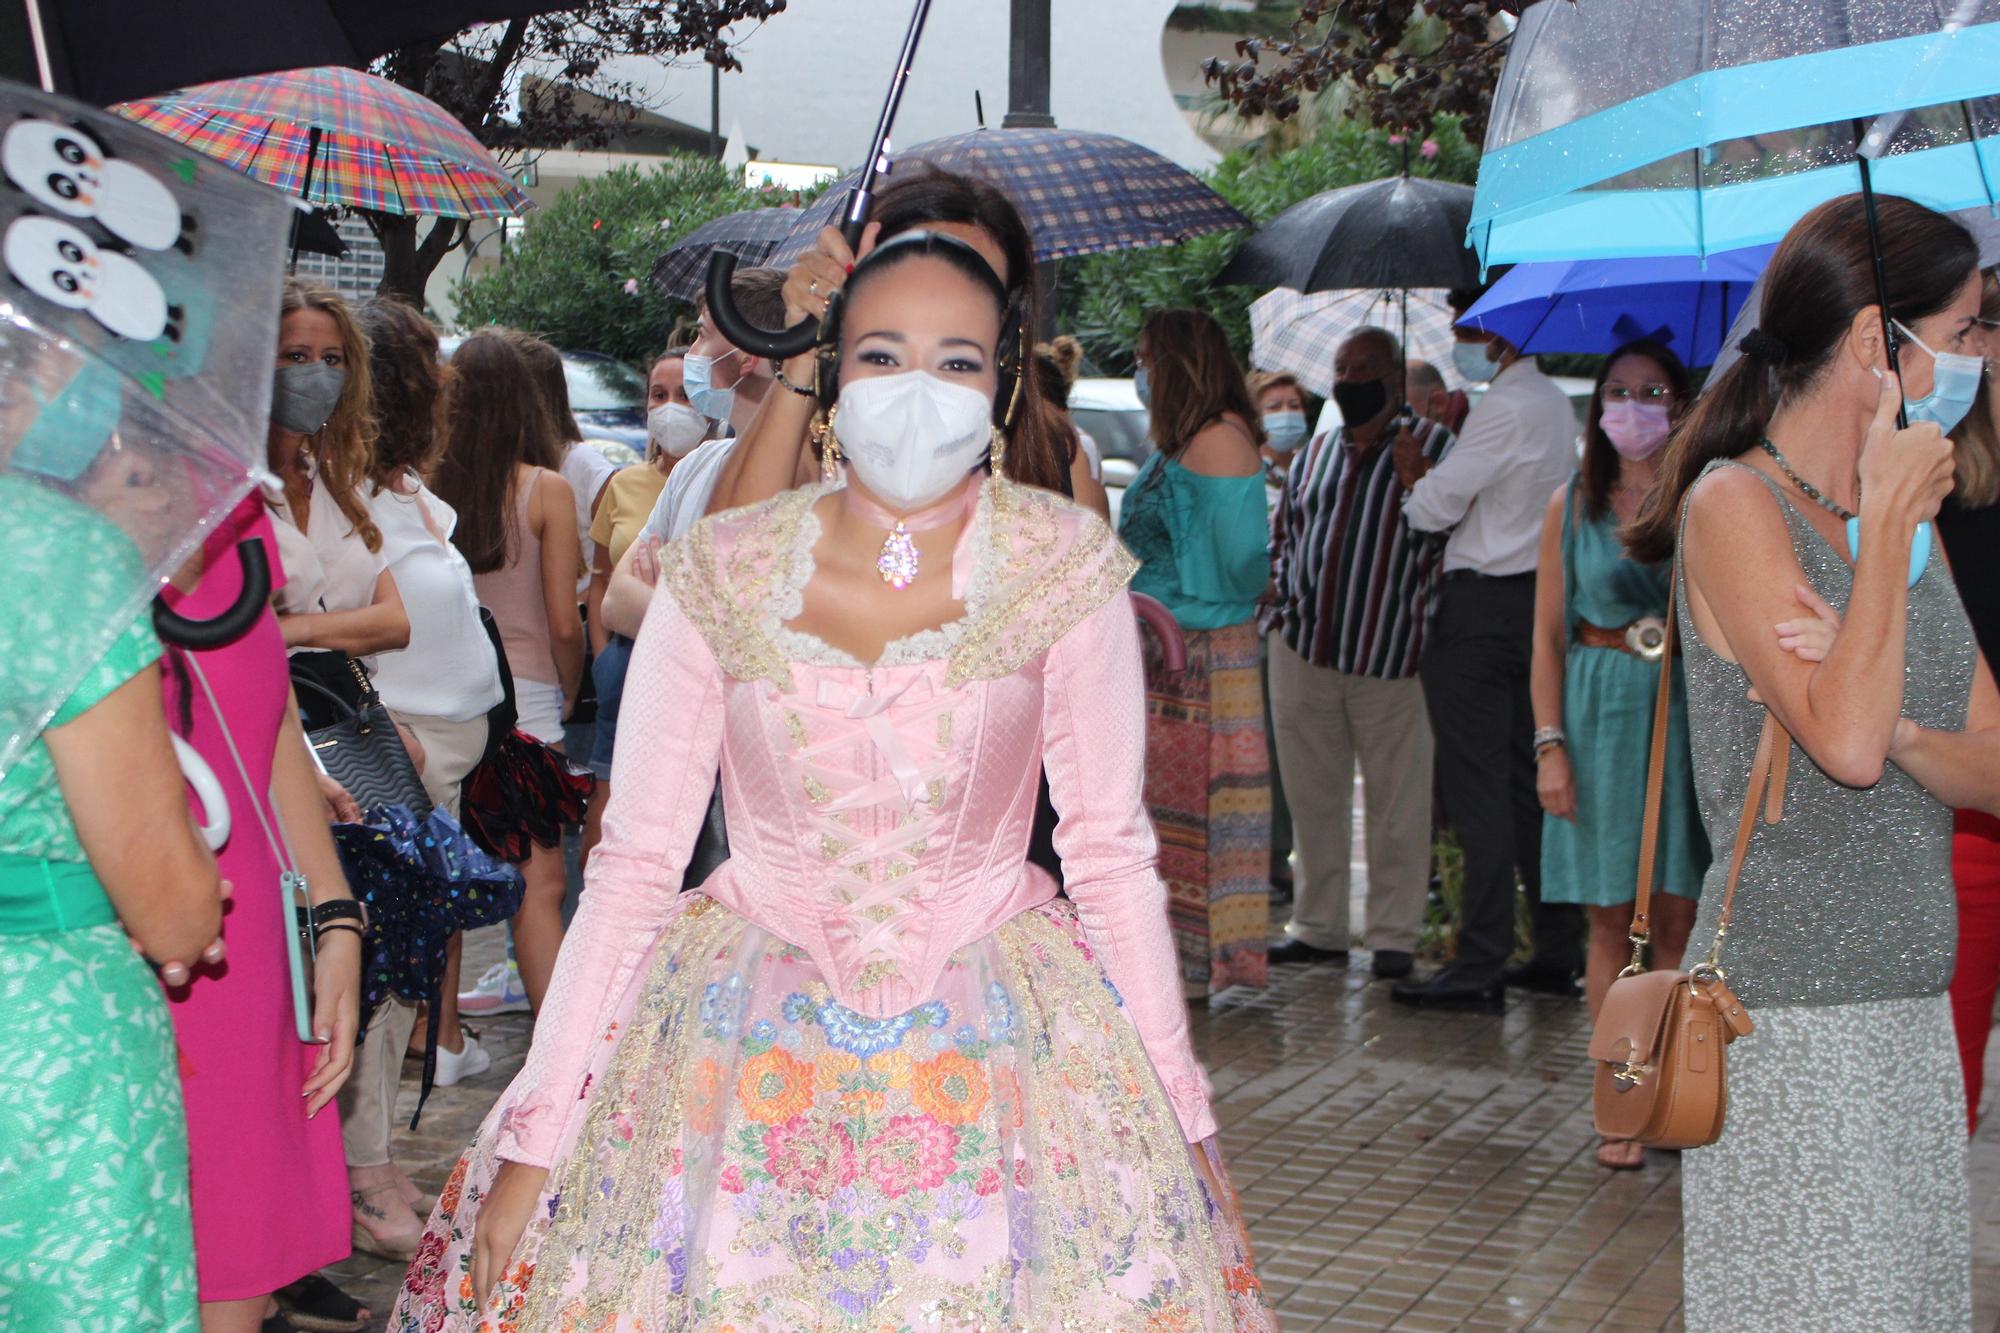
{"x":513,"y":592}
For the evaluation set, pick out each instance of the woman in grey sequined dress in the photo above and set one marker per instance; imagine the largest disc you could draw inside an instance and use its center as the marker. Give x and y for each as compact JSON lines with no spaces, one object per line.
{"x":1837,"y":1196}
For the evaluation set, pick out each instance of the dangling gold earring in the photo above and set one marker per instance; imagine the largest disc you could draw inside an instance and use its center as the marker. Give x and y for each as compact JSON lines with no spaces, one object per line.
{"x":829,"y":447}
{"x":997,"y":465}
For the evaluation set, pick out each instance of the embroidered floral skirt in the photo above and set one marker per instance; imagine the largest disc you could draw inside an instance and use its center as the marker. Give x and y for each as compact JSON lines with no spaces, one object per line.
{"x":755,"y":1156}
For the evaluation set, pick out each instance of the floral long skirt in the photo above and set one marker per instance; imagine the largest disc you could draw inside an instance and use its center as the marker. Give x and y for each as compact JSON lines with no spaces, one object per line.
{"x":755,"y":1156}
{"x":1208,"y":786}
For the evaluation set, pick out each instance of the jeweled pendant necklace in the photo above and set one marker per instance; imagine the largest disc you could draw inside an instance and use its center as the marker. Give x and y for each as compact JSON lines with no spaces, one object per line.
{"x":900,"y":562}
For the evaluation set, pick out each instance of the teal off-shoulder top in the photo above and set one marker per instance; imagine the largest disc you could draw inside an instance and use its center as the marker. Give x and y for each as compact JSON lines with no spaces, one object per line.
{"x":1203,"y":543}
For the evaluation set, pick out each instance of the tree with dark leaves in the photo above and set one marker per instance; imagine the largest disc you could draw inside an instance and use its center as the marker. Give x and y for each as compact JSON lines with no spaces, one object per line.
{"x":543,"y":82}
{"x":1401,"y":62}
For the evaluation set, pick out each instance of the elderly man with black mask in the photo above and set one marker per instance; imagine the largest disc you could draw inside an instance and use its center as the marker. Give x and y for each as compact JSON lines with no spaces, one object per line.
{"x":1353,"y":587}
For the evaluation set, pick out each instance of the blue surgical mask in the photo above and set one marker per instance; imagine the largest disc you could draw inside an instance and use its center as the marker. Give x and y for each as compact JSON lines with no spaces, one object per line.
{"x":1954,"y":386}
{"x":713,"y":403}
{"x":1142,"y":384}
{"x":1472,"y":362}
{"x":1284,"y":430}
{"x":1920,"y":547}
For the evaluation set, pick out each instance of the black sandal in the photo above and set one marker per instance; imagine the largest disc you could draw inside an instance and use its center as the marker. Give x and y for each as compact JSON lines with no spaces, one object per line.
{"x":315,"y":1304}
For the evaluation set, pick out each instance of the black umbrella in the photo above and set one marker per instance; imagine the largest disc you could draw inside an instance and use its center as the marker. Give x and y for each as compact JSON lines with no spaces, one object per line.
{"x":752,"y":235}
{"x":1403,"y":231}
{"x":313,"y":233}
{"x":106,"y":53}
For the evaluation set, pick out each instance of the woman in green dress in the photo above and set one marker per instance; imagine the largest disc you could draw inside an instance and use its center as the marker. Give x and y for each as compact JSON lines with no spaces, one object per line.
{"x":99,"y":863}
{"x":1600,"y":645}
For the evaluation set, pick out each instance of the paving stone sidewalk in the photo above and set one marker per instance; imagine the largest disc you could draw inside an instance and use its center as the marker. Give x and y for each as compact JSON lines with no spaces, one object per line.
{"x":1400,"y":1170}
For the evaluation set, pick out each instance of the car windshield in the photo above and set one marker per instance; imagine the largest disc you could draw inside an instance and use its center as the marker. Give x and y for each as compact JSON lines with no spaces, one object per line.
{"x":1119,"y":434}
{"x":599,"y":384}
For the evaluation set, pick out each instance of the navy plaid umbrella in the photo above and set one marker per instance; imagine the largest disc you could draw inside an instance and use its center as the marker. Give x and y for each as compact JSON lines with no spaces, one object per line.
{"x":753,"y":236}
{"x":1080,"y":193}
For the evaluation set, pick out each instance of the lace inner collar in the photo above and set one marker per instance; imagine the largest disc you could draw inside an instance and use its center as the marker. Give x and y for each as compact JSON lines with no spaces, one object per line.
{"x":788,"y":590}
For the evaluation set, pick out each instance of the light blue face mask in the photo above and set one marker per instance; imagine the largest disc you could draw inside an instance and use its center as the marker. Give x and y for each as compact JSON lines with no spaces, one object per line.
{"x":1920,"y":547}
{"x":1472,"y":362}
{"x":1954,"y":386}
{"x":1142,"y":384}
{"x":713,"y":403}
{"x":1284,"y":430}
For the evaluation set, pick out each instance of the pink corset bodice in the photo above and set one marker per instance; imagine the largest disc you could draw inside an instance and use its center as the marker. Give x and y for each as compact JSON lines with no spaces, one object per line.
{"x":878,"y":816}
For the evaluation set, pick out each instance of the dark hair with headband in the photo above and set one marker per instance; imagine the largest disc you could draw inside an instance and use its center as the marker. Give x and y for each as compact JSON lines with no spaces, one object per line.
{"x":968,"y":261}
{"x":1038,"y":451}
{"x":1821,"y":277}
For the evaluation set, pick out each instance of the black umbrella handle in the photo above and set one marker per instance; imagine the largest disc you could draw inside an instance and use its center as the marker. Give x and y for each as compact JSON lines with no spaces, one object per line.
{"x":231,"y":625}
{"x":781,"y":343}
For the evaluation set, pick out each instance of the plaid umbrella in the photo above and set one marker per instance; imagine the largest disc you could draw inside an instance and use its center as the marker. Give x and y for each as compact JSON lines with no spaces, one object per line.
{"x":752,"y":235}
{"x":338,"y":136}
{"x":1298,"y":333}
{"x":1080,"y":193}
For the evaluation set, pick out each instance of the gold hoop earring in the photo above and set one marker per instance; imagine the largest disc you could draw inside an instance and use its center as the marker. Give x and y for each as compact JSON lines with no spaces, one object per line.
{"x":829,"y":447}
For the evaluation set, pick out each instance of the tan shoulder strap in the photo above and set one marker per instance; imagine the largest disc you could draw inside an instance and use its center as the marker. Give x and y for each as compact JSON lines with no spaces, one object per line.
{"x":1766,"y":787}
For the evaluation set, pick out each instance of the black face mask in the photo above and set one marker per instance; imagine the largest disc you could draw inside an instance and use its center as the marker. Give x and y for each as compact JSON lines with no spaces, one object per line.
{"x":1360,"y":401}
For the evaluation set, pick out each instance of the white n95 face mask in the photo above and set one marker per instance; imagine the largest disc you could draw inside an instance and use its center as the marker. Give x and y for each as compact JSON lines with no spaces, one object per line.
{"x":675,"y":429}
{"x":911,"y":437}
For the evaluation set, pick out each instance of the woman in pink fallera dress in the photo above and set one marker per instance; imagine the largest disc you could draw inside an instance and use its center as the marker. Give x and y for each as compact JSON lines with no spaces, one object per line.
{"x":270,"y":1186}
{"x":873,"y":1072}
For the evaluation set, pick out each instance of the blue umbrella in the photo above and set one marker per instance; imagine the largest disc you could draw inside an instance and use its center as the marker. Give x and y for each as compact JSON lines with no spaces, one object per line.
{"x":1598,"y":305}
{"x":1689,"y":127}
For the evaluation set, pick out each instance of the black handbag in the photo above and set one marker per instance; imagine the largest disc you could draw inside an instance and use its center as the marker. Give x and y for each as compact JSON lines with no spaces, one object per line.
{"x":322,"y":672}
{"x":500,"y":718}
{"x":364,"y":753}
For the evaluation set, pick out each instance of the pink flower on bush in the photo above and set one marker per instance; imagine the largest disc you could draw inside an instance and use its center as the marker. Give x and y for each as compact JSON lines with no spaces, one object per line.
{"x":914,"y":1153}
{"x":1395,"y":141}
{"x":806,"y":1161}
{"x":1429,"y":149}
{"x":631,"y":286}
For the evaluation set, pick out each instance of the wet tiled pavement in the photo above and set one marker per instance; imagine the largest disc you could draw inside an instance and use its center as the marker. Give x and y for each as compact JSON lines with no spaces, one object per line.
{"x":1401,"y":1170}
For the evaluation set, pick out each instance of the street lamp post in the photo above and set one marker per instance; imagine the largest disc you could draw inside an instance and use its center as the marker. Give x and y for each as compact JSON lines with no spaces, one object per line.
{"x":1028,"y":67}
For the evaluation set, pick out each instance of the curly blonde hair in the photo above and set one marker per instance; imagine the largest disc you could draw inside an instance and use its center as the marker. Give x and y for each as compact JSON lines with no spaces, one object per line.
{"x":344,"y":448}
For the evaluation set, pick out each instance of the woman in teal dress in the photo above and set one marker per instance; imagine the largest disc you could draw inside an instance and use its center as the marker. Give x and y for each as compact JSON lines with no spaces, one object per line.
{"x":1196,"y":519}
{"x":1599,"y":649}
{"x":97,"y":855}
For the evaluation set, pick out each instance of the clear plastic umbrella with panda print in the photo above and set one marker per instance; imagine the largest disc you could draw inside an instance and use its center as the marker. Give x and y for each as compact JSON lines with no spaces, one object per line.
{"x":139,"y":290}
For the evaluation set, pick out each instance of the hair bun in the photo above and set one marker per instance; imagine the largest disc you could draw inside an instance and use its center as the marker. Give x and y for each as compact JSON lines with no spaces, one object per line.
{"x":1067,"y":353}
{"x":1762,"y":346}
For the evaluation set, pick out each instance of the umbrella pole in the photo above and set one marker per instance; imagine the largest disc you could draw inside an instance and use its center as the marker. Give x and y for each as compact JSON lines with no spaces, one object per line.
{"x":38,"y":37}
{"x":1881,"y":276}
{"x":305,"y":193}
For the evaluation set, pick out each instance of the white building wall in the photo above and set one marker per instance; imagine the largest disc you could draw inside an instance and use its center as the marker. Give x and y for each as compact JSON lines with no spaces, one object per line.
{"x":813,"y":78}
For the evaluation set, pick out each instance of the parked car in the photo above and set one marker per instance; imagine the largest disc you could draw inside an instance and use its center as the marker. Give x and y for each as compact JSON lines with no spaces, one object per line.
{"x":1109,"y":411}
{"x":606,"y":396}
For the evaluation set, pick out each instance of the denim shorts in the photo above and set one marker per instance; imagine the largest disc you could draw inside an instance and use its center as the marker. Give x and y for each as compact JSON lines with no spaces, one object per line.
{"x":607,"y":671}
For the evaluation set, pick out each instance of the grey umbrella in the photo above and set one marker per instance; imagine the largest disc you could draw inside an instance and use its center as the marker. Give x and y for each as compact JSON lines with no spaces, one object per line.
{"x":1403,"y":231}
{"x":753,"y":235}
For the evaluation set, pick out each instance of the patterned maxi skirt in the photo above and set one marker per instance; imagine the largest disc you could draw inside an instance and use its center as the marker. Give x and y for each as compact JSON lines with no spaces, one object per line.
{"x":754,"y":1156}
{"x":1208,"y":785}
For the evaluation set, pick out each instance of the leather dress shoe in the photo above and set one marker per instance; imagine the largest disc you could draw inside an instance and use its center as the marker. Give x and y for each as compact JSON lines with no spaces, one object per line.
{"x":1392,"y":964}
{"x":1544,"y":978}
{"x":1298,"y":951}
{"x":1452,"y":990}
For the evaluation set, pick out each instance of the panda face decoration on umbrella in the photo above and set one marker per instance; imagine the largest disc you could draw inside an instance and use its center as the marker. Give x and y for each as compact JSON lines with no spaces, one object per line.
{"x":67,"y":171}
{"x":63,"y":266}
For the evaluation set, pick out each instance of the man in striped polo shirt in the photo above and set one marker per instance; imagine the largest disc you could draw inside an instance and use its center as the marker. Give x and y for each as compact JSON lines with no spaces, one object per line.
{"x":1353,"y":590}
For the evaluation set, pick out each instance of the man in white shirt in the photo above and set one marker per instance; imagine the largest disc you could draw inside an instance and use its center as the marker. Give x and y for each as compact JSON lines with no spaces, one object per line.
{"x":1489,"y":493}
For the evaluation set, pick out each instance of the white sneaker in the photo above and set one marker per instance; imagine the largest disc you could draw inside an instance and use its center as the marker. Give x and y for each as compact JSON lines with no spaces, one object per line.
{"x":455,"y":1066}
{"x":498,"y":992}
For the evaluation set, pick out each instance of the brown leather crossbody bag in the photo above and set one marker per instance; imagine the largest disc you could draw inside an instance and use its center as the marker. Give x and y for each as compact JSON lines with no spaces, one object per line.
{"x":1659,"y":1045}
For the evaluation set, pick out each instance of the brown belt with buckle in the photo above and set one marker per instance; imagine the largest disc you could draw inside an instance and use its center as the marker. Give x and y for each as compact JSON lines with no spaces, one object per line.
{"x":1644,"y":638}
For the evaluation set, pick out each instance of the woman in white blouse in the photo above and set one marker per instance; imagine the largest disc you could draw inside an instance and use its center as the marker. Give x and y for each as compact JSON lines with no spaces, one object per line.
{"x":441,"y":687}
{"x":338,"y":593}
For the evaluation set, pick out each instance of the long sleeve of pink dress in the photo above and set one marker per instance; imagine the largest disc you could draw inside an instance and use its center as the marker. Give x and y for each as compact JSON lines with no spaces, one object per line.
{"x":879,"y":815}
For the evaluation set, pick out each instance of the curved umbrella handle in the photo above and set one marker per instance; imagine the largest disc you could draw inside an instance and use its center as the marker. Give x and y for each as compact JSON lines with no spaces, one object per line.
{"x":781,"y":343}
{"x":232,"y":624}
{"x":1154,"y":615}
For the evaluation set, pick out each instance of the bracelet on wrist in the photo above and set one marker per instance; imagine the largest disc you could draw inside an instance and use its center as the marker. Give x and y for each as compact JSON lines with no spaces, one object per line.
{"x":336,"y":927}
{"x":338,"y":909}
{"x":1549,"y":738}
{"x":797,"y":389}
